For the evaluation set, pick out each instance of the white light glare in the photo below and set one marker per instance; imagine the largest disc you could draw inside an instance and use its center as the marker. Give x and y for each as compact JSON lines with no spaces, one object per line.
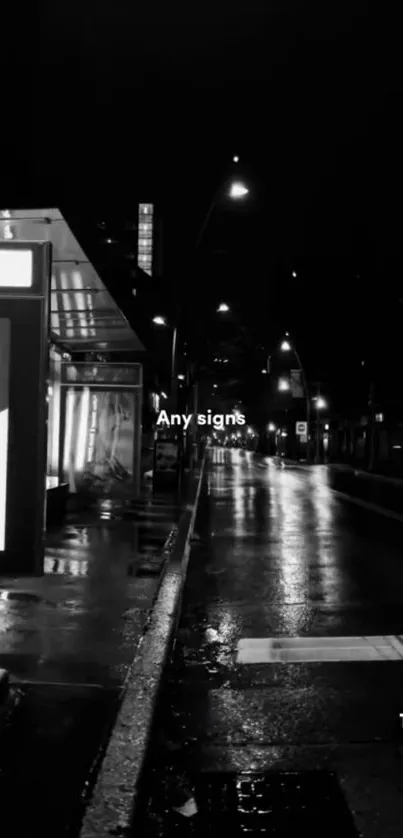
{"x":283,"y":384}
{"x":320,"y":403}
{"x":238,"y":190}
{"x":285,"y":346}
{"x":160,"y":321}
{"x":235,"y":158}
{"x":223,"y":307}
{"x":3,"y":475}
{"x":16,"y":268}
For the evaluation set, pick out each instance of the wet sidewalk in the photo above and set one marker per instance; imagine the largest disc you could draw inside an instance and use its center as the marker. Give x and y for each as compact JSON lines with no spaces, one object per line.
{"x":68,"y":640}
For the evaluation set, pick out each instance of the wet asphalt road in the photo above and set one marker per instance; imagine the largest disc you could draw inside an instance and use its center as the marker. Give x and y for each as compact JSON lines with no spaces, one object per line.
{"x":282,"y":555}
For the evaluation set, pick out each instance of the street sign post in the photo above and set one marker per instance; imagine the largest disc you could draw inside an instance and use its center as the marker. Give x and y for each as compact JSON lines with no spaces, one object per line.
{"x":301,"y":428}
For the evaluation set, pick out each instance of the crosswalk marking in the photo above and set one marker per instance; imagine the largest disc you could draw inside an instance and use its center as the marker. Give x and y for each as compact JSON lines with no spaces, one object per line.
{"x":319,"y":649}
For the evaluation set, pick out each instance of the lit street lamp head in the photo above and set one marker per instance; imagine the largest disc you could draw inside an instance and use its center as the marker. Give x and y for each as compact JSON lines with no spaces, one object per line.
{"x":238,"y":190}
{"x":320,"y":403}
{"x":223,"y":307}
{"x":285,"y":346}
{"x":283,"y":385}
{"x":160,"y":321}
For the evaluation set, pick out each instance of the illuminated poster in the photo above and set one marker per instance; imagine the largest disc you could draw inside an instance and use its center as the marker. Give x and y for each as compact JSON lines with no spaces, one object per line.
{"x":4,"y":409}
{"x":99,"y":441}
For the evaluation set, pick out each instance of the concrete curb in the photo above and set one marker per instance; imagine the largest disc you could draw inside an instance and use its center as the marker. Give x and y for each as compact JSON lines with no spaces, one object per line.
{"x":368,"y":475}
{"x":117,"y":789}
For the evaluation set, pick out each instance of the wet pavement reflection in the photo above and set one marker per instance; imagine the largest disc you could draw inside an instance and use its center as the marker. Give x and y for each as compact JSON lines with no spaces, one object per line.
{"x":283,"y":555}
{"x":68,"y":640}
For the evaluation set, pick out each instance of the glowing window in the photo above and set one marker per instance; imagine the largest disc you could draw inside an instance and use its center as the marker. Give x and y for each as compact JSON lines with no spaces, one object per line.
{"x":145,"y":240}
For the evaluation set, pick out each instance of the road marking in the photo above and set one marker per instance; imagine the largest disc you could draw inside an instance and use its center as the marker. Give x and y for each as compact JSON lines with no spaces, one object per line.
{"x":319,"y":649}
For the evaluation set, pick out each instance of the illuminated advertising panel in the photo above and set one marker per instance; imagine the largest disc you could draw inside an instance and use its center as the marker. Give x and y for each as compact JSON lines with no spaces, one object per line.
{"x":5,"y":332}
{"x":24,"y":347}
{"x":16,"y":269}
{"x":99,"y":441}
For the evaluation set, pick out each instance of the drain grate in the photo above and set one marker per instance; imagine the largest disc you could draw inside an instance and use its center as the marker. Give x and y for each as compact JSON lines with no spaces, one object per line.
{"x":274,"y":804}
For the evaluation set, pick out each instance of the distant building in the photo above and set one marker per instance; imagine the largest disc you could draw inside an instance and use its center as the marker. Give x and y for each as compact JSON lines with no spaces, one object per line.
{"x":149,"y":240}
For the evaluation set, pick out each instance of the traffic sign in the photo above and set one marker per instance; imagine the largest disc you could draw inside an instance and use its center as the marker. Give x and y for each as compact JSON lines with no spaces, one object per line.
{"x":301,"y":428}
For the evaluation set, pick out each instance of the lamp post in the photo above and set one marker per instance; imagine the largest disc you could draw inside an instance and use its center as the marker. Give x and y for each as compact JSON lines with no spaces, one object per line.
{"x":162,"y":321}
{"x":235,"y":190}
{"x":320,"y":404}
{"x":286,"y":346}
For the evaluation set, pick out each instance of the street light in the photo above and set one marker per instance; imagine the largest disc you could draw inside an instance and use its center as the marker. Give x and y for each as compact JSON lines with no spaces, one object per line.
{"x":320,"y":404}
{"x":238,"y":190}
{"x":223,"y":307}
{"x":287,"y":346}
{"x":283,"y":385}
{"x":162,"y":321}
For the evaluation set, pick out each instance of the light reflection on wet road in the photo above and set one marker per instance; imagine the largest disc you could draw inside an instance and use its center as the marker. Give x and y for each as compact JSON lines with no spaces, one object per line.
{"x":281,"y":555}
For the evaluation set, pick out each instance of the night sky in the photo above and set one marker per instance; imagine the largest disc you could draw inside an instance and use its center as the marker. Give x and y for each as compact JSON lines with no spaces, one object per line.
{"x":150,"y":101}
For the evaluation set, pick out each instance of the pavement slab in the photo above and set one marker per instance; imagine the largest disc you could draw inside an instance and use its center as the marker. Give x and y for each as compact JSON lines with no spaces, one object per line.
{"x":67,"y":643}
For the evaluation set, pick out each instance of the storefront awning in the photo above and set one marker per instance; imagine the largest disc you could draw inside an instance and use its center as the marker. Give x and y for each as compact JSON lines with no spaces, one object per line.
{"x":84,"y":317}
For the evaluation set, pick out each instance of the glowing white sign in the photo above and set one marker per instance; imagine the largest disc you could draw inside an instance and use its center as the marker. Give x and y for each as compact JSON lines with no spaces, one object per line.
{"x":4,"y":407}
{"x":15,"y":268}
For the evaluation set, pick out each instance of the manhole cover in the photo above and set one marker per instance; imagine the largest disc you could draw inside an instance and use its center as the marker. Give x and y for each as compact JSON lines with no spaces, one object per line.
{"x":279,"y":804}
